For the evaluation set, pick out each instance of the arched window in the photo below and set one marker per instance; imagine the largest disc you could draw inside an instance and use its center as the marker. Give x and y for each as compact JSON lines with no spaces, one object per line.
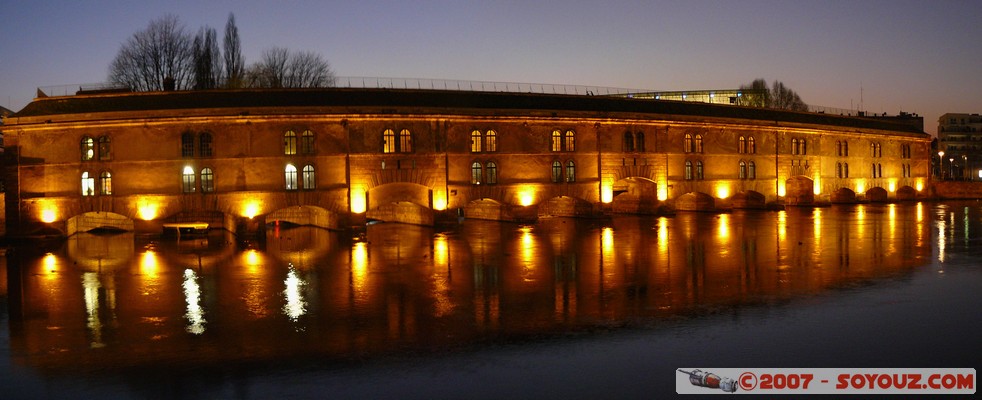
{"x":557,"y":140}
{"x":742,"y":145}
{"x":389,"y":141}
{"x":309,"y":180}
{"x":687,"y":143}
{"x":187,"y":180}
{"x":873,"y":166}
{"x":207,"y":180}
{"x":752,"y":173}
{"x":307,"y":142}
{"x":204,"y":141}
{"x":88,"y":148}
{"x":187,"y":145}
{"x":492,"y":141}
{"x":872,"y":149}
{"x":289,"y":143}
{"x":105,"y":183}
{"x":845,"y":170}
{"x":639,"y":142}
{"x":476,"y":173}
{"x":105,"y":148}
{"x":628,"y":142}
{"x":838,"y":148}
{"x":845,"y":148}
{"x":879,"y":170}
{"x":492,"y":172}
{"x":476,"y":141}
{"x":688,"y":170}
{"x":570,"y":172}
{"x":405,"y":141}
{"x":794,"y":146}
{"x":88,"y":184}
{"x":698,"y":144}
{"x":557,"y":172}
{"x":838,"y":170}
{"x":743,"y":168}
{"x":291,"y":177}
{"x":803,"y":150}
{"x":570,"y":143}
{"x":699,"y":170}
{"x":751,"y":145}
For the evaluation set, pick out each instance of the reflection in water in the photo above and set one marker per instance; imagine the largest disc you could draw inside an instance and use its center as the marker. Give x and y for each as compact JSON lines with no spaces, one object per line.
{"x":416,"y":287}
{"x":295,"y":306}
{"x":192,"y":295}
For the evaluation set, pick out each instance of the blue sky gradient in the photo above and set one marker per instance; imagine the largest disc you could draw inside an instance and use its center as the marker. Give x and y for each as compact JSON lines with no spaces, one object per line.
{"x":886,"y":56}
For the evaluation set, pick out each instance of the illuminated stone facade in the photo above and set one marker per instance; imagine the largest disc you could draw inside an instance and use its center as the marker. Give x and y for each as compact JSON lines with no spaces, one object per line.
{"x":337,"y":157}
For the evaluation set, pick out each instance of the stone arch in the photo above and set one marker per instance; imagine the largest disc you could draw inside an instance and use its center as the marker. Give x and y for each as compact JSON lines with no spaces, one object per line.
{"x":404,"y":212}
{"x":748,"y":199}
{"x":799,"y":191}
{"x":906,"y":193}
{"x":98,"y":220}
{"x":695,"y":201}
{"x":565,"y":206}
{"x":876,"y":194}
{"x":843,"y":195}
{"x":306,"y":216}
{"x":636,"y":195}
{"x":397,"y":192}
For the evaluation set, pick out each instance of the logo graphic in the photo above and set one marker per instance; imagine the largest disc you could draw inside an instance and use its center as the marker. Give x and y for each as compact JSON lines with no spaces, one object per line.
{"x":710,"y":380}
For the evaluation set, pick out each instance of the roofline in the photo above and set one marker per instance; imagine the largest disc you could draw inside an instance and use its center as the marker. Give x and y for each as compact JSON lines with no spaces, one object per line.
{"x":344,"y":100}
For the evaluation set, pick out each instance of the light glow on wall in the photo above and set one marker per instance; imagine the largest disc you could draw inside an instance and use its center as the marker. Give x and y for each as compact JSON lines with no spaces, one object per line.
{"x":359,"y":203}
{"x":722,"y":191}
{"x":892,"y":186}
{"x":606,"y":193}
{"x":817,"y":189}
{"x":860,"y":186}
{"x":250,"y":209}
{"x":48,"y":215}
{"x":147,"y":209}
{"x":919,"y":185}
{"x":662,"y":191}
{"x":781,"y":189}
{"x":439,"y":201}
{"x":526,"y":196}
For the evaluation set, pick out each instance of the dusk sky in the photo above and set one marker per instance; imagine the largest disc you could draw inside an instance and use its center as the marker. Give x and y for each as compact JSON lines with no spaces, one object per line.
{"x":922,"y":57}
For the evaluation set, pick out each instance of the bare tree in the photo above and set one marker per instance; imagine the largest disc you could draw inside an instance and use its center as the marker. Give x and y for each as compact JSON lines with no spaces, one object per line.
{"x":234,"y":63}
{"x":757,"y":94}
{"x":162,"y":52}
{"x":207,"y":59}
{"x":280,"y":68}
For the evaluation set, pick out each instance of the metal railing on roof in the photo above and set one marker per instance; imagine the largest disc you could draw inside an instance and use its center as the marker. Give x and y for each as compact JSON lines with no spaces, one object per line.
{"x":360,"y":82}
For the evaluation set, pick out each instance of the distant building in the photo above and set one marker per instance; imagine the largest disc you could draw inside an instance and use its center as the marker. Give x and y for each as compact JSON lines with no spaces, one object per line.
{"x":960,"y":138}
{"x":336,"y":157}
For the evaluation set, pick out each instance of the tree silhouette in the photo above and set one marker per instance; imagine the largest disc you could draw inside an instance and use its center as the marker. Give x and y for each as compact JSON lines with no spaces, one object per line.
{"x":757,"y":94}
{"x":234,"y":63}
{"x":161,"y":52}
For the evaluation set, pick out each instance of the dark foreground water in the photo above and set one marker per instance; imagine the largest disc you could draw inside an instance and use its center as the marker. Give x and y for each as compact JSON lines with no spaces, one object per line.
{"x":561,"y":309}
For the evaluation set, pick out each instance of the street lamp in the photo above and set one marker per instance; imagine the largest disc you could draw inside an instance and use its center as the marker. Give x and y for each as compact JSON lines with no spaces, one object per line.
{"x":941,"y":165}
{"x":965,"y":168}
{"x":951,"y":167}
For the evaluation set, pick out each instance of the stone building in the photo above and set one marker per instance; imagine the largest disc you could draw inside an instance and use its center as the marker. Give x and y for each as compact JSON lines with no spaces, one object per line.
{"x":340,"y":157}
{"x":959,"y":146}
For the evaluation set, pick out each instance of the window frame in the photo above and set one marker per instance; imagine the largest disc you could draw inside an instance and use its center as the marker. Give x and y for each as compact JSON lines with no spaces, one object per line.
{"x":307,"y":142}
{"x":405,"y":141}
{"x":569,"y":140}
{"x":289,"y":143}
{"x":87,"y":182}
{"x":476,"y":141}
{"x":105,"y":148}
{"x":207,"y":180}
{"x":477,"y":173}
{"x":205,"y":141}
{"x":491,"y":141}
{"x":87,"y":148}
{"x":290,"y":177}
{"x":570,"y":172}
{"x":557,"y":171}
{"x":187,"y":180}
{"x":105,"y":183}
{"x":308,"y":175}
{"x":491,"y":172}
{"x":187,"y":145}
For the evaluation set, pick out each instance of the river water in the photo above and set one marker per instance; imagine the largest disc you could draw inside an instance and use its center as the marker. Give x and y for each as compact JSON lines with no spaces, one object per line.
{"x":561,"y":309}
